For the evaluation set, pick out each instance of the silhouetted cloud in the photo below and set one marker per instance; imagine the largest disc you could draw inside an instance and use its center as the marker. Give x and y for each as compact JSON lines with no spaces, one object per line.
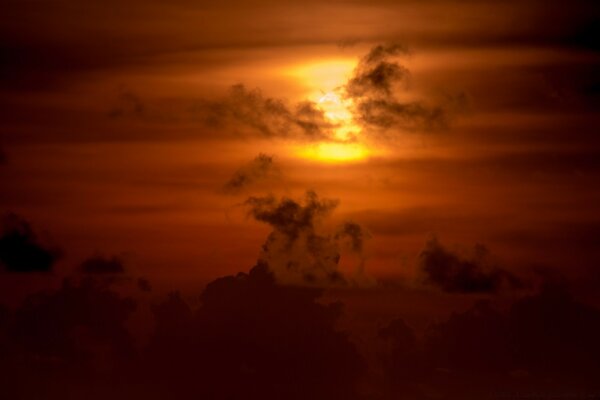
{"x":355,"y":233}
{"x":453,"y":273}
{"x":269,"y":117}
{"x":474,"y":340}
{"x":255,"y":339}
{"x":78,"y":330}
{"x":144,"y":285}
{"x":375,"y":74}
{"x":555,"y":335}
{"x":374,"y":89}
{"x":20,"y":248}
{"x":47,"y":320}
{"x":129,"y":104}
{"x":402,"y":361}
{"x":543,"y":339}
{"x":261,"y":168}
{"x":297,"y":250}
{"x":99,"y":264}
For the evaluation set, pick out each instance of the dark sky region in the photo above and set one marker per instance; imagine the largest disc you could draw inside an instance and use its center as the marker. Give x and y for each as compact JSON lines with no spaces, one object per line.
{"x":366,"y":200}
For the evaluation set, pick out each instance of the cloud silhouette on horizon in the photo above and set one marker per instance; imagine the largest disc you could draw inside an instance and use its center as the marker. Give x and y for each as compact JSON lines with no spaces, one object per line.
{"x":455,"y":273}
{"x":99,"y":264}
{"x":20,"y":249}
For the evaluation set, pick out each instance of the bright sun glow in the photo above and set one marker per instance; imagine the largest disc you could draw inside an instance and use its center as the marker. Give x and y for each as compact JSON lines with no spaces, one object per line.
{"x":334,"y":152}
{"x":324,"y":80}
{"x":337,"y":111}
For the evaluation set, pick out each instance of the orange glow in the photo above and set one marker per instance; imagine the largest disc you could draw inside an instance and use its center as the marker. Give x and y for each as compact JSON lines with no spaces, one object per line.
{"x":337,"y":111}
{"x":320,"y":77}
{"x":334,"y":152}
{"x":324,"y":81}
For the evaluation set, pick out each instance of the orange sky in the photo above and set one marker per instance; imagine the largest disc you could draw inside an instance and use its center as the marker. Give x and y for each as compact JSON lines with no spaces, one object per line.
{"x":108,"y":148}
{"x":189,"y":188}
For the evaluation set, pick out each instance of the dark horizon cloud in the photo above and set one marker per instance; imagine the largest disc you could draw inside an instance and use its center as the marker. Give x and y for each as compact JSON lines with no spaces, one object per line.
{"x":454,"y":273}
{"x":544,"y":337}
{"x":144,"y":285}
{"x":247,"y":325}
{"x":20,"y":249}
{"x":231,"y":346}
{"x":99,"y":264}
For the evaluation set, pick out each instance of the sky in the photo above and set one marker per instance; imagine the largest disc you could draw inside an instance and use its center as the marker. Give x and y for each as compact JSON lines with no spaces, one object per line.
{"x":409,"y":187}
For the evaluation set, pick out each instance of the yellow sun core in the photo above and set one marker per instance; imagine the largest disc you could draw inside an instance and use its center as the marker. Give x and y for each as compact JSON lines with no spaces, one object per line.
{"x":345,"y":145}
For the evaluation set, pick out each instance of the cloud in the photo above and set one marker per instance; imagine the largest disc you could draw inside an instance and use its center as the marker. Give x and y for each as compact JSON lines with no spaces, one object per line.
{"x":144,"y":285}
{"x":260,"y":169}
{"x":545,"y":337}
{"x":452,"y":272}
{"x":402,"y":361}
{"x":269,"y":117}
{"x":546,"y":334}
{"x":252,"y":338}
{"x":297,"y":250}
{"x":375,"y":74}
{"x":129,"y":104}
{"x":99,"y":264}
{"x":374,"y":89}
{"x":20,"y":248}
{"x":76,"y":329}
{"x":46,"y":321}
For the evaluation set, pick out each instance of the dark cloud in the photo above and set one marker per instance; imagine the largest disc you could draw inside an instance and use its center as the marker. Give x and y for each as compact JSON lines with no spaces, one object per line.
{"x":250,"y":338}
{"x":287,"y":215}
{"x":375,"y":74}
{"x":255,"y":339}
{"x":375,"y":87}
{"x":260,"y":169}
{"x":99,"y":264}
{"x":74,"y":333}
{"x":269,"y":117}
{"x":46,"y":321}
{"x":129,"y":104}
{"x":144,"y":285}
{"x":402,"y":360}
{"x":545,"y":343}
{"x":474,"y":340}
{"x":298,"y":250}
{"x":452,"y":272}
{"x":555,"y":335}
{"x":20,"y":248}
{"x":355,"y":233}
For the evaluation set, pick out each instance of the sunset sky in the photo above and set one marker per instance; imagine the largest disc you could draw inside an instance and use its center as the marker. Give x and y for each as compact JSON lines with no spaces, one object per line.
{"x":406,"y":158}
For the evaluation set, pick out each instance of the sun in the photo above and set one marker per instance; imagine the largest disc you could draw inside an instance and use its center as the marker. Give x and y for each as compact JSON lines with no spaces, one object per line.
{"x":325,"y":80}
{"x":333,"y":152}
{"x":337,"y":111}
